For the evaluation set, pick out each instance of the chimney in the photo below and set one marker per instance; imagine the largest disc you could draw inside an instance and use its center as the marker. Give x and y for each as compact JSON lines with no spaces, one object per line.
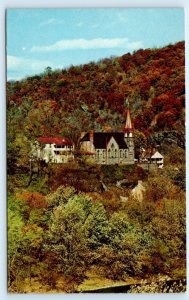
{"x":91,"y":137}
{"x":153,"y":151}
{"x":82,"y":134}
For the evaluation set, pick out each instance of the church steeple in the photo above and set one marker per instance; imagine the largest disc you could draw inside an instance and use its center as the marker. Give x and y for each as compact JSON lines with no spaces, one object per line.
{"x":128,"y":125}
{"x":128,"y":136}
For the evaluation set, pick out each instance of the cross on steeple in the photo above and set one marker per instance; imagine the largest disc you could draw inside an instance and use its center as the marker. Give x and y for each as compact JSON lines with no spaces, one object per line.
{"x":127,"y":103}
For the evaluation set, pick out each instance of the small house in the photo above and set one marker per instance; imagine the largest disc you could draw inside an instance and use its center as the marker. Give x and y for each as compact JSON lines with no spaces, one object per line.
{"x":157,"y":159}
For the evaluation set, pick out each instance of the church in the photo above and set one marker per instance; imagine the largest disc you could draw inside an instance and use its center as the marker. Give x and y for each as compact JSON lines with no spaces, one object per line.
{"x":103,"y":148}
{"x":110,"y":148}
{"x":107,"y":148}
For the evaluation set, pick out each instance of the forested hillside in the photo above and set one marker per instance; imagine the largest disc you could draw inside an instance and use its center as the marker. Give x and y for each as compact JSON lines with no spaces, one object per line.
{"x":92,"y":96}
{"x":71,"y":223}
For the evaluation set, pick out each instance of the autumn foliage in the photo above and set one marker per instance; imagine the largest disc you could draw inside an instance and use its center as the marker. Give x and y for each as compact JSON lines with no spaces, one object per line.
{"x":33,"y":199}
{"x":70,"y":221}
{"x":92,"y":96}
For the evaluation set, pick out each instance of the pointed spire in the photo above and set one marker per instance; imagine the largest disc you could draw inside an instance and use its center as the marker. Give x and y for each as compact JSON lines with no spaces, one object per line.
{"x":128,"y":125}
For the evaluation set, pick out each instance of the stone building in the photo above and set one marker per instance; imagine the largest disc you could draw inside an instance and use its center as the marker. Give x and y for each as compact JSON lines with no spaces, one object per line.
{"x":110,"y":147}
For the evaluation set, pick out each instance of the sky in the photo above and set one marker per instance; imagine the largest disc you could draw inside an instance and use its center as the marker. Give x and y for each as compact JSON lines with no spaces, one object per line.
{"x":58,"y":38}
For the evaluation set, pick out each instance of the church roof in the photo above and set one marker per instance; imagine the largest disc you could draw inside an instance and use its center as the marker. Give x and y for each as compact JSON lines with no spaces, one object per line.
{"x":101,"y":139}
{"x":55,"y":140}
{"x":128,"y":124}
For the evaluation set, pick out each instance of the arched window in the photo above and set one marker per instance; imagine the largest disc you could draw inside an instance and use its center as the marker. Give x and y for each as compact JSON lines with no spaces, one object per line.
{"x":109,"y":153}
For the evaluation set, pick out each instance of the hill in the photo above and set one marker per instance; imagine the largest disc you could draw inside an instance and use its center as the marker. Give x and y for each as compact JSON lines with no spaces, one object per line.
{"x":75,"y":224}
{"x":152,"y":79}
{"x":92,"y":96}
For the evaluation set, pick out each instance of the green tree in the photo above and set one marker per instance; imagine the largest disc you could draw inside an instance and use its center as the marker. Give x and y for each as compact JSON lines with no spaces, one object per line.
{"x":140,"y":143}
{"x":66,"y":239}
{"x":15,"y":226}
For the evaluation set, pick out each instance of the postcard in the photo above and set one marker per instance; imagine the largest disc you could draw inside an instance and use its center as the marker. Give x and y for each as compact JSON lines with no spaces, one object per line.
{"x":96,"y":150}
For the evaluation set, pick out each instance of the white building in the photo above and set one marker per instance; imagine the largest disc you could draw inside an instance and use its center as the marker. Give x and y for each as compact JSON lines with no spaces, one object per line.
{"x":152,"y":157}
{"x":54,"y":149}
{"x":157,"y":159}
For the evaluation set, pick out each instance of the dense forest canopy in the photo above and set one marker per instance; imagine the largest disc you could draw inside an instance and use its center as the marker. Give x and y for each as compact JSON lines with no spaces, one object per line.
{"x":93,"y":95}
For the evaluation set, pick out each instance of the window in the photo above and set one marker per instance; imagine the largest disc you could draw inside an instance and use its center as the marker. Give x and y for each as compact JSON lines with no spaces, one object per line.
{"x":59,"y":146}
{"x":57,"y":152}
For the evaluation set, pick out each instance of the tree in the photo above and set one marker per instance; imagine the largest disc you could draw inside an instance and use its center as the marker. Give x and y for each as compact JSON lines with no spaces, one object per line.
{"x":157,"y":189}
{"x":66,"y":240}
{"x":96,"y":225}
{"x":48,"y":71}
{"x":140,"y":143}
{"x":15,"y":226}
{"x":24,"y":250}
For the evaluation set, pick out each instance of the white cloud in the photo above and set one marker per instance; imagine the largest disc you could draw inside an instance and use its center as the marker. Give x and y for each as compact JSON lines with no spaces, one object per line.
{"x":15,"y":63}
{"x":135,"y":45}
{"x":51,"y":21}
{"x":84,"y":44}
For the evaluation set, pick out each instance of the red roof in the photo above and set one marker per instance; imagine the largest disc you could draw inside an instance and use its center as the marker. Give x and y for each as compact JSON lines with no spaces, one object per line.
{"x":55,"y":140}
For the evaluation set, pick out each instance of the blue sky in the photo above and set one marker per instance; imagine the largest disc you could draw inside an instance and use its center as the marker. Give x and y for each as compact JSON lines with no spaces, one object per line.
{"x":37,"y":38}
